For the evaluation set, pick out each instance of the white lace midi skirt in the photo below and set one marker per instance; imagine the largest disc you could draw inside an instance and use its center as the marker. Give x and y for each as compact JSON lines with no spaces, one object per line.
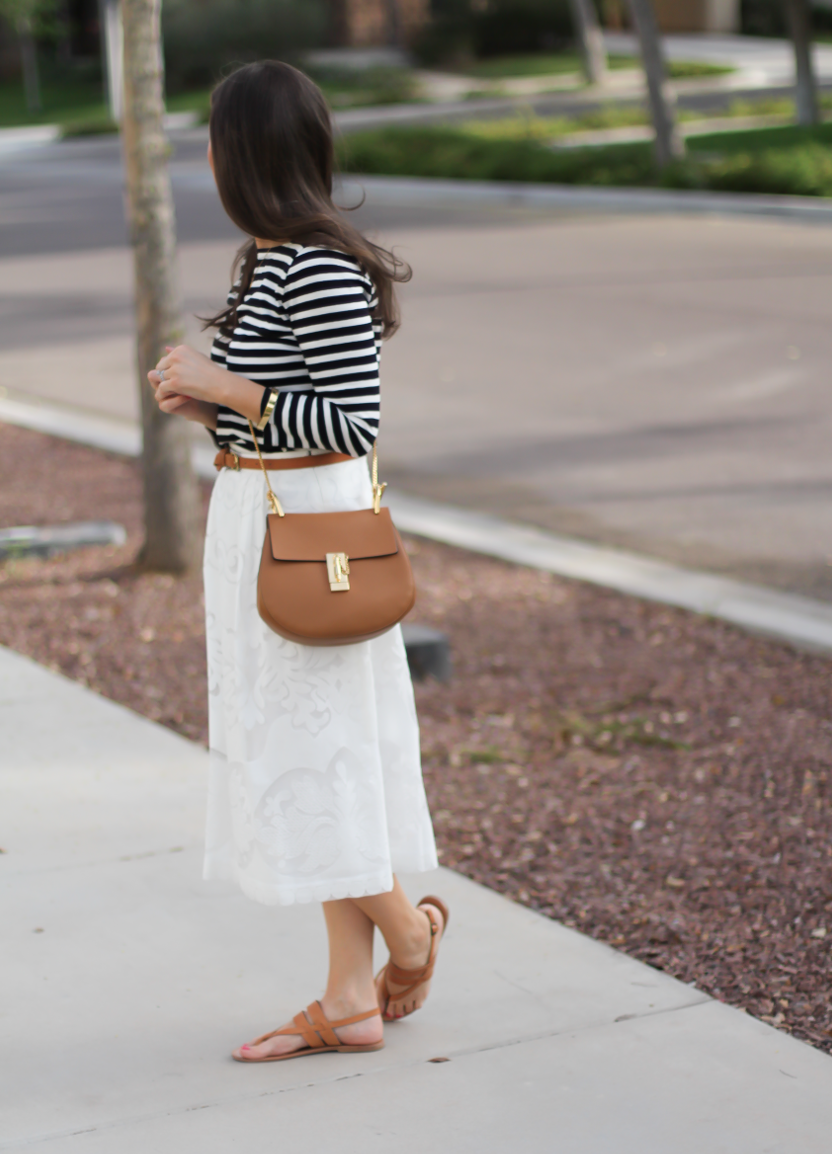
{"x":315,"y":786}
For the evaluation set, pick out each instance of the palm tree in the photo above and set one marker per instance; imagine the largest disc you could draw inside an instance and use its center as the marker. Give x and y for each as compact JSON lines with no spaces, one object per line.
{"x":799,"y":20}
{"x":669,"y":143}
{"x":590,"y":40}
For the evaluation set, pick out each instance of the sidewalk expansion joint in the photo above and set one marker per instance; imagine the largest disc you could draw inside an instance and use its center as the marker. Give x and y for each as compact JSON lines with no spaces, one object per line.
{"x":523,"y":1039}
{"x":63,"y":867}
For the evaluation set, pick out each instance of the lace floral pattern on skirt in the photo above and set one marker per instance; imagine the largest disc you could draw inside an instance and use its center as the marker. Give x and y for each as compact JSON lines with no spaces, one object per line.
{"x":316,"y":786}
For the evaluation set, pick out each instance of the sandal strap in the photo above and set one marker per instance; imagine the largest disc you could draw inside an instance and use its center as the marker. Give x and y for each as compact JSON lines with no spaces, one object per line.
{"x":434,"y":925}
{"x":316,"y":1029}
{"x":400,"y":995}
{"x":438,"y":904}
{"x":376,"y":1013}
{"x":300,"y":1025}
{"x":416,"y":977}
{"x":413,"y":979}
{"x":403,"y":977}
{"x":322,"y":1025}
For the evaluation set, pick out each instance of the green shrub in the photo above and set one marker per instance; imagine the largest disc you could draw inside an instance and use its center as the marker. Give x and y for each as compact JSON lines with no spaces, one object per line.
{"x":783,"y":137}
{"x":205,"y":38}
{"x":801,"y":166}
{"x":89,"y":126}
{"x":528,"y":64}
{"x":450,"y":153}
{"x":693,"y":69}
{"x":805,"y":171}
{"x":354,"y":88}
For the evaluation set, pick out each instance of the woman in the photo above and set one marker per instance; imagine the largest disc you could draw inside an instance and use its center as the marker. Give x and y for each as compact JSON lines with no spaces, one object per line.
{"x":316,"y":791}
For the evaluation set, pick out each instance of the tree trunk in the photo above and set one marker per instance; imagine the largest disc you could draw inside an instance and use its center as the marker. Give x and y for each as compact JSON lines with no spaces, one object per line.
{"x":799,"y":20}
{"x":669,"y":142}
{"x":590,"y":40}
{"x":29,"y":59}
{"x":170,"y":493}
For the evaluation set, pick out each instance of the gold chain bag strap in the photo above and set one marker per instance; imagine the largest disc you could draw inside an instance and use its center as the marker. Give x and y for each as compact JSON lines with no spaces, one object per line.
{"x":332,"y":578}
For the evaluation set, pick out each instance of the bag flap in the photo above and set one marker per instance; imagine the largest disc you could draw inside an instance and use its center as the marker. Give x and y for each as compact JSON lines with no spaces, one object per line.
{"x":359,"y":533}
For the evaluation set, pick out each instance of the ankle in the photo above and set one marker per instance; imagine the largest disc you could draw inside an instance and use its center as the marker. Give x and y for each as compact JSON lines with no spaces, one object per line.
{"x":413,"y":941}
{"x":344,"y":1001}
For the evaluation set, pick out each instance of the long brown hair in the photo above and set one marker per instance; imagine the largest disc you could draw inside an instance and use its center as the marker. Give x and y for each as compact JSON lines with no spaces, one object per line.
{"x":271,"y":142}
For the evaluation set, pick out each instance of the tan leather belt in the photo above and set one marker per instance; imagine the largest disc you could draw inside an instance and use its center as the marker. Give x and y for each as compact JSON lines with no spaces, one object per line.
{"x":225,"y":459}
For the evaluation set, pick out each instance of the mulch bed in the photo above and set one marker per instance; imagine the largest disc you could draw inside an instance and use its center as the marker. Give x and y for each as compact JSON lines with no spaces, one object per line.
{"x":658,"y":780}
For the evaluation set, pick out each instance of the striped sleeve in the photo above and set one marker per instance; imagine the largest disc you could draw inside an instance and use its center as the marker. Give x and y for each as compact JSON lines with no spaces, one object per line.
{"x":219,"y":350}
{"x":328,"y":302}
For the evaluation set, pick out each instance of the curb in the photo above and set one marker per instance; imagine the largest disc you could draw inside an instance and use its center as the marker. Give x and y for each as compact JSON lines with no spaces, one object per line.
{"x":798,"y":621}
{"x":94,"y":429}
{"x":405,"y":190}
{"x":36,"y":135}
{"x":30,"y":136}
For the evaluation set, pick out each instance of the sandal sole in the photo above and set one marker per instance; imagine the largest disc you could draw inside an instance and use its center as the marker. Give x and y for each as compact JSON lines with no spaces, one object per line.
{"x":305,"y":1053}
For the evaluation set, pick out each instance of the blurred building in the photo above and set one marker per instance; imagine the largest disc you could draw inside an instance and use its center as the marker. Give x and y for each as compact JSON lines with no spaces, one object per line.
{"x":680,"y":15}
{"x":377,"y":23}
{"x":698,"y":15}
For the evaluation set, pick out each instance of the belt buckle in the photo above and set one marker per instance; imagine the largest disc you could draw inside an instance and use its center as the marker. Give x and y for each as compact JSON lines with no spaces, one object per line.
{"x":236,"y":466}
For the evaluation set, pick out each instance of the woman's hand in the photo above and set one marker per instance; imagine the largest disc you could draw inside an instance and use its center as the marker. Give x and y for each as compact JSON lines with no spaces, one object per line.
{"x":203,"y":412}
{"x":184,"y":378}
{"x":187,"y":373}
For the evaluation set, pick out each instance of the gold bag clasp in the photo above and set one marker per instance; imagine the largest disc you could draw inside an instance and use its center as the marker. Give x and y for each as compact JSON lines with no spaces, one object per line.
{"x":338,"y":571}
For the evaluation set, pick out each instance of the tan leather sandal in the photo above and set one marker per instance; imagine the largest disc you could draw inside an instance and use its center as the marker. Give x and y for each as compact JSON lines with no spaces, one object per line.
{"x":319,"y":1034}
{"x":412,"y":979}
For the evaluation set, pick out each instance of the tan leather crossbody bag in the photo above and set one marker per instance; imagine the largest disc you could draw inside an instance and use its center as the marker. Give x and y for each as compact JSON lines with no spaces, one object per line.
{"x":332,"y":578}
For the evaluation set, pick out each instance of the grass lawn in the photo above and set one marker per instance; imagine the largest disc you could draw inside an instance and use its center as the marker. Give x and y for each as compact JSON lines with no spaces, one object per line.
{"x":527,"y":126}
{"x":80,"y":107}
{"x":79,"y":102}
{"x":345,"y":88}
{"x":63,"y":100}
{"x":790,"y":159}
{"x":554,"y":63}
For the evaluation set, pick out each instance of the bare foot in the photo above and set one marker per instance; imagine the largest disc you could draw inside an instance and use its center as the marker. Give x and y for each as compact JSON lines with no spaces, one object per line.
{"x":358,"y":1034}
{"x":418,"y":957}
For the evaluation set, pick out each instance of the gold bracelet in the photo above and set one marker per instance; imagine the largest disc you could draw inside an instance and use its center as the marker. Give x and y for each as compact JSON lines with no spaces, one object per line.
{"x":269,"y":409}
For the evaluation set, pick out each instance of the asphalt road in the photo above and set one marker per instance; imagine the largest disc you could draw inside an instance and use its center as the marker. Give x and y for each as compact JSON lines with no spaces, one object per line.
{"x":67,"y":197}
{"x":658,"y":383}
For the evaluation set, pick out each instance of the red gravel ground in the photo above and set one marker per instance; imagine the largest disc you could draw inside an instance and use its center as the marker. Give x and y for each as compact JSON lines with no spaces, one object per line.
{"x":659,"y":780}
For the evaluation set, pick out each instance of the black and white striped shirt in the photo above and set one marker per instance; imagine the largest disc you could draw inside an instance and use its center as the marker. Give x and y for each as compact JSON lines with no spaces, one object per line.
{"x":306,"y":332}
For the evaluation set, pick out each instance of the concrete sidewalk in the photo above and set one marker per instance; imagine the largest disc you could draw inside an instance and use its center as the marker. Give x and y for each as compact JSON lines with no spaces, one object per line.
{"x":130,"y":981}
{"x":758,"y":59}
